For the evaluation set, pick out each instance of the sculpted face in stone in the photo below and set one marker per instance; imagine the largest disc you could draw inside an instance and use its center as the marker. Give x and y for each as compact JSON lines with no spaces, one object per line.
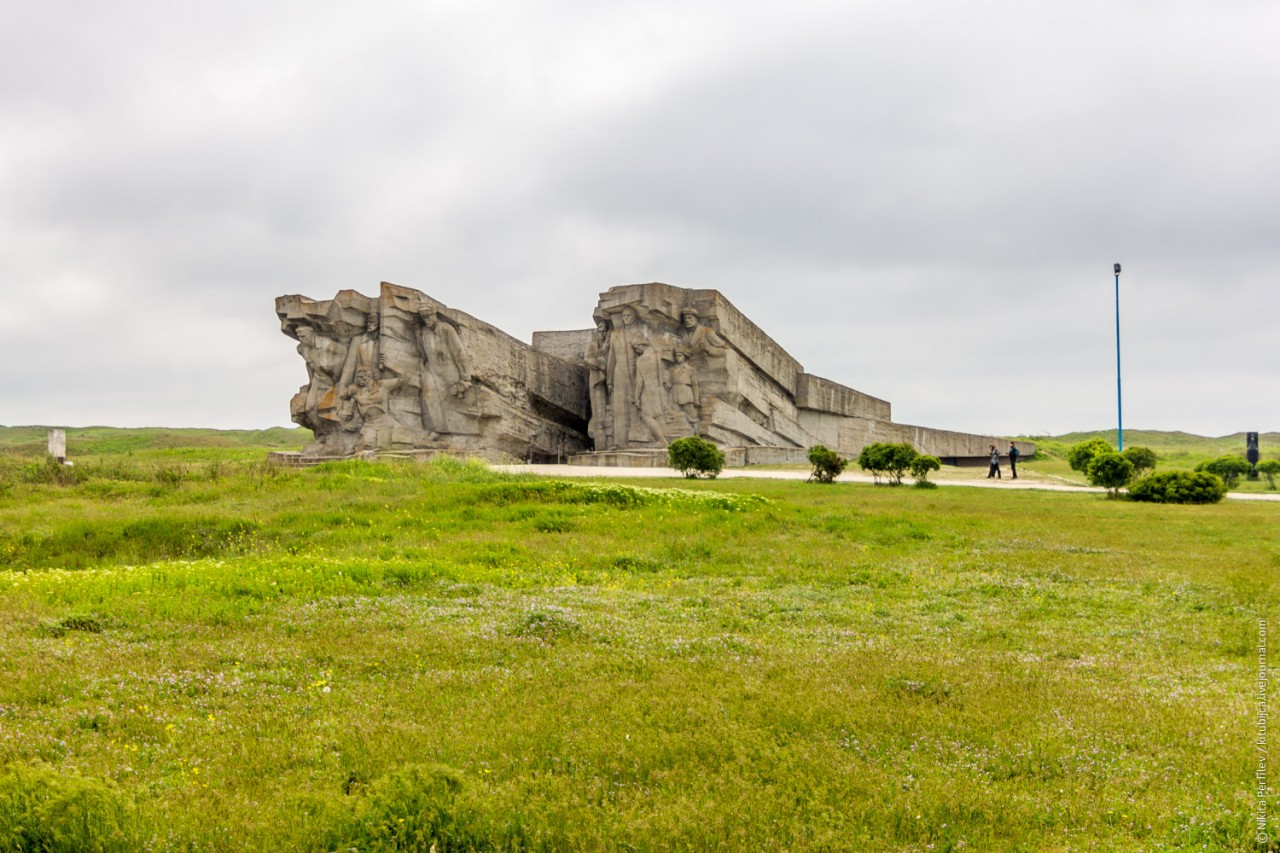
{"x":680,"y":357}
{"x":427,"y":313}
{"x":689,"y":319}
{"x":371,"y":322}
{"x":363,"y":377}
{"x":307,"y":335}
{"x":628,"y":316}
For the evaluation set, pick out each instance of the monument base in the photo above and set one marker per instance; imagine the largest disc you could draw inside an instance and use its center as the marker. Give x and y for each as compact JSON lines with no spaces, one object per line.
{"x":734,"y":457}
{"x":620,"y":459}
{"x":293,"y":459}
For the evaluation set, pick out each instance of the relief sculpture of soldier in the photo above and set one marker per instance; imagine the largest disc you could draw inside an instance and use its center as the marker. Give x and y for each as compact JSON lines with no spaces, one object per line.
{"x":370,"y":413}
{"x":648,"y":393}
{"x":446,"y":376}
{"x":596,"y":357}
{"x":683,"y":382}
{"x":700,"y":338}
{"x":326,"y":359}
{"x":621,"y":374}
{"x":365,"y":350}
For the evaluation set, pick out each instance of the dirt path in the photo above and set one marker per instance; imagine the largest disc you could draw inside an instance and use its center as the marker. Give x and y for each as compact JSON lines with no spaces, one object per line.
{"x":797,"y":474}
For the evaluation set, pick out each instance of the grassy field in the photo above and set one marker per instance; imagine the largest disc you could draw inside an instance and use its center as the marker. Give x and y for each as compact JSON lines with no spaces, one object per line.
{"x":96,"y":444}
{"x":200,"y":651}
{"x":1175,"y":450}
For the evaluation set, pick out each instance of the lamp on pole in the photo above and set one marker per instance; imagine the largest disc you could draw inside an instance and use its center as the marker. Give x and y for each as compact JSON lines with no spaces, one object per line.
{"x":1119,"y":404}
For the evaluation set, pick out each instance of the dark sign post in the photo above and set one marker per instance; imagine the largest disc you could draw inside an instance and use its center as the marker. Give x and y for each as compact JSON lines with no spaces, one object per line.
{"x":1251,"y":453}
{"x":1119,"y":404}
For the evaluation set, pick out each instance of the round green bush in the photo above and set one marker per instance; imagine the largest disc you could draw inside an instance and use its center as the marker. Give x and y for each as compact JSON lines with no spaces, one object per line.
{"x":921,"y":466}
{"x":1230,"y":468}
{"x":1143,"y":459}
{"x":1269,"y":469}
{"x":827,"y":464}
{"x":1082,"y":453}
{"x":695,"y":457}
{"x":885,"y":459}
{"x":1179,"y":487}
{"x":1110,"y":470}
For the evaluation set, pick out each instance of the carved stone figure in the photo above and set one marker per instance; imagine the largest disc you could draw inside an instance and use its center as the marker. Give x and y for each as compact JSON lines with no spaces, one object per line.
{"x":684,"y":387}
{"x":365,"y":350}
{"x":446,"y":375}
{"x":648,"y":393}
{"x":596,"y":357}
{"x":700,"y":338}
{"x":622,"y":372}
{"x":326,"y":359}
{"x":370,"y":414}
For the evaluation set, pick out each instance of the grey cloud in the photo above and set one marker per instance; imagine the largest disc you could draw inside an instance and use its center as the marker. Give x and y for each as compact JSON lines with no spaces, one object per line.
{"x":921,"y":200}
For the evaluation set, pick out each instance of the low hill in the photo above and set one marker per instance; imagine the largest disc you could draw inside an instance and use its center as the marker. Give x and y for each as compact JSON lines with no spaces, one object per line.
{"x":1174,"y":450}
{"x":1174,"y":442}
{"x":104,"y":441}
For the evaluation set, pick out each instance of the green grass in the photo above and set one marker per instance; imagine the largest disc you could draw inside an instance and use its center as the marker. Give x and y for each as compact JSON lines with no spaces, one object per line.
{"x":1174,"y":450}
{"x":391,"y":656}
{"x":206,"y":445}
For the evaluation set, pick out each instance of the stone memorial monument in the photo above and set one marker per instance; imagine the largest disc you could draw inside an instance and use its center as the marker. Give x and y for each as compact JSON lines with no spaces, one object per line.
{"x":403,"y":373}
{"x":58,"y":444}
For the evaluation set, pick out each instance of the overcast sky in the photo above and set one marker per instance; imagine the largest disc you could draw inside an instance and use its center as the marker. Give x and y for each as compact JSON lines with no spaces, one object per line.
{"x":921,"y":200}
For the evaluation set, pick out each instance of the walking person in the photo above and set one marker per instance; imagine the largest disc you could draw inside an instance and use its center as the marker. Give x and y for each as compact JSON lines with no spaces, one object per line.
{"x":995,"y":464}
{"x":1013,"y":459}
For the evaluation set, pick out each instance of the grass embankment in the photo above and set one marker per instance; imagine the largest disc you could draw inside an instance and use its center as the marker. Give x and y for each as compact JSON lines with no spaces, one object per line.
{"x":1174,"y":451}
{"x":225,"y":655}
{"x":96,"y":445}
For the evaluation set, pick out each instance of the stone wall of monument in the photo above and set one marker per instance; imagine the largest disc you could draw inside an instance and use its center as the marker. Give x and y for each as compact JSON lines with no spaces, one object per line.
{"x":567,"y":345}
{"x":823,"y":395}
{"x":746,"y":391}
{"x":849,"y":435}
{"x":402,"y":371}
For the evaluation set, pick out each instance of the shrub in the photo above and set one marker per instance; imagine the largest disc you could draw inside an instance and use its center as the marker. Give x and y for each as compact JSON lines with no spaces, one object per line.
{"x":1082,"y":453}
{"x":52,"y":472}
{"x":45,"y":809}
{"x":1110,"y":470}
{"x":883,"y":459}
{"x":1269,"y":469}
{"x":1143,"y":459}
{"x":1229,"y":468}
{"x":1179,"y":487}
{"x":920,"y":468}
{"x":695,"y":457}
{"x":168,"y":475}
{"x":416,"y":807}
{"x":547,"y":626}
{"x":827,"y":464}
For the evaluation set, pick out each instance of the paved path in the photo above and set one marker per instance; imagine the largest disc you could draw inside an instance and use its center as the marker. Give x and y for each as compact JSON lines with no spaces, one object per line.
{"x":794,"y":474}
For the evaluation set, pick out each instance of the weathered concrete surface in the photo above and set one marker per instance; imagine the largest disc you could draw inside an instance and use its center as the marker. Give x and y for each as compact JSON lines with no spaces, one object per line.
{"x":58,"y":444}
{"x":402,"y":372}
{"x":750,"y":393}
{"x":823,"y":395}
{"x":405,"y":372}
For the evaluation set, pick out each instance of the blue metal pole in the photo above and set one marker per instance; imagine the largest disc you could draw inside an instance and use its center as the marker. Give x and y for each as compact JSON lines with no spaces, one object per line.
{"x":1119,"y":404}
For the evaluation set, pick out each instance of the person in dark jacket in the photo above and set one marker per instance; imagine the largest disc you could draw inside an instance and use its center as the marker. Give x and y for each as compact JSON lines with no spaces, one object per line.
{"x":995,"y":464}
{"x":1013,"y":459}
